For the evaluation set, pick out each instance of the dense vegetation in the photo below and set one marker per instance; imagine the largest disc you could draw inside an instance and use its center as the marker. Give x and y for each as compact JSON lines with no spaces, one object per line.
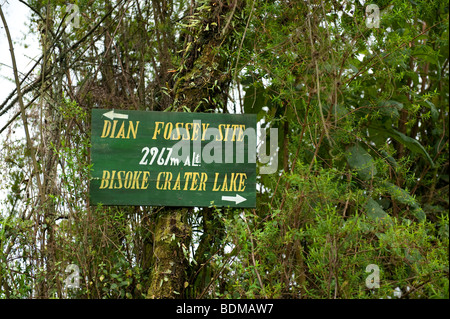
{"x":363,"y":133}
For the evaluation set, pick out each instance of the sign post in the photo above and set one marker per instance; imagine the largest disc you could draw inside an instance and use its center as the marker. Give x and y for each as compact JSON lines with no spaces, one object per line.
{"x":173,"y":159}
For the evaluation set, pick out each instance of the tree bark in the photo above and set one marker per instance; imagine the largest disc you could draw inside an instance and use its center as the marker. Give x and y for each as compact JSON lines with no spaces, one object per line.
{"x":202,"y":84}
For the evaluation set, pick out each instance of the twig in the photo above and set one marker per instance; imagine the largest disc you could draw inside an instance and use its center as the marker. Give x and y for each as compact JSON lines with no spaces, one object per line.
{"x":224,"y":31}
{"x":22,"y":107}
{"x":313,"y":51}
{"x":242,"y":40}
{"x":253,"y":257}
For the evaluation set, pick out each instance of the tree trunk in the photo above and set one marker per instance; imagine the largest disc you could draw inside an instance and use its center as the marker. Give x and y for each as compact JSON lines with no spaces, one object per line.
{"x":169,"y":255}
{"x":202,"y":84}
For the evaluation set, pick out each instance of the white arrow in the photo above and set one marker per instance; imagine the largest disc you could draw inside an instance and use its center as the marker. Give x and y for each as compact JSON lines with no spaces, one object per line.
{"x":111,"y":115}
{"x":238,"y":198}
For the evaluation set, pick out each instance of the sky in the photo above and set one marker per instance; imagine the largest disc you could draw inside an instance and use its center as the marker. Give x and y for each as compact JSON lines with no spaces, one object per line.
{"x":17,"y":15}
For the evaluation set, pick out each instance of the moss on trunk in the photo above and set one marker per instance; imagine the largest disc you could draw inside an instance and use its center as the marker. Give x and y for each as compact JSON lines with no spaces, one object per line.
{"x":202,"y":84}
{"x":169,"y":269}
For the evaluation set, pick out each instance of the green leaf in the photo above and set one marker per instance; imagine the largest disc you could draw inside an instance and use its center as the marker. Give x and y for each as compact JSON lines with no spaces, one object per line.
{"x":390,"y":108}
{"x":353,"y":67}
{"x":374,"y":210}
{"x":402,"y":196}
{"x":360,"y":160}
{"x":389,"y":159}
{"x":433,"y":109}
{"x":255,"y":98}
{"x":410,"y":143}
{"x":425,"y":53}
{"x":426,"y":103}
{"x":338,"y":110}
{"x":377,"y":135}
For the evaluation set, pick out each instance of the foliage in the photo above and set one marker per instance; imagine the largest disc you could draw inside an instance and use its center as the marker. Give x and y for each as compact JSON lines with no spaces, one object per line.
{"x":363,"y":166}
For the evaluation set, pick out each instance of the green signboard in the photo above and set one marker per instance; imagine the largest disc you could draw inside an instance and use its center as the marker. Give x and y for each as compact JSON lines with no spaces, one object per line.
{"x":173,"y":159}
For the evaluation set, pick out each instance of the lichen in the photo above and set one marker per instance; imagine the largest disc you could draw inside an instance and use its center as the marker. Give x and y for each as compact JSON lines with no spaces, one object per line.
{"x":168,"y":275}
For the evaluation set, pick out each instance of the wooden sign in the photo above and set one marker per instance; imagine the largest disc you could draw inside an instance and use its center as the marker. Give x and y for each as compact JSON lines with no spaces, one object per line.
{"x":173,"y":159}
